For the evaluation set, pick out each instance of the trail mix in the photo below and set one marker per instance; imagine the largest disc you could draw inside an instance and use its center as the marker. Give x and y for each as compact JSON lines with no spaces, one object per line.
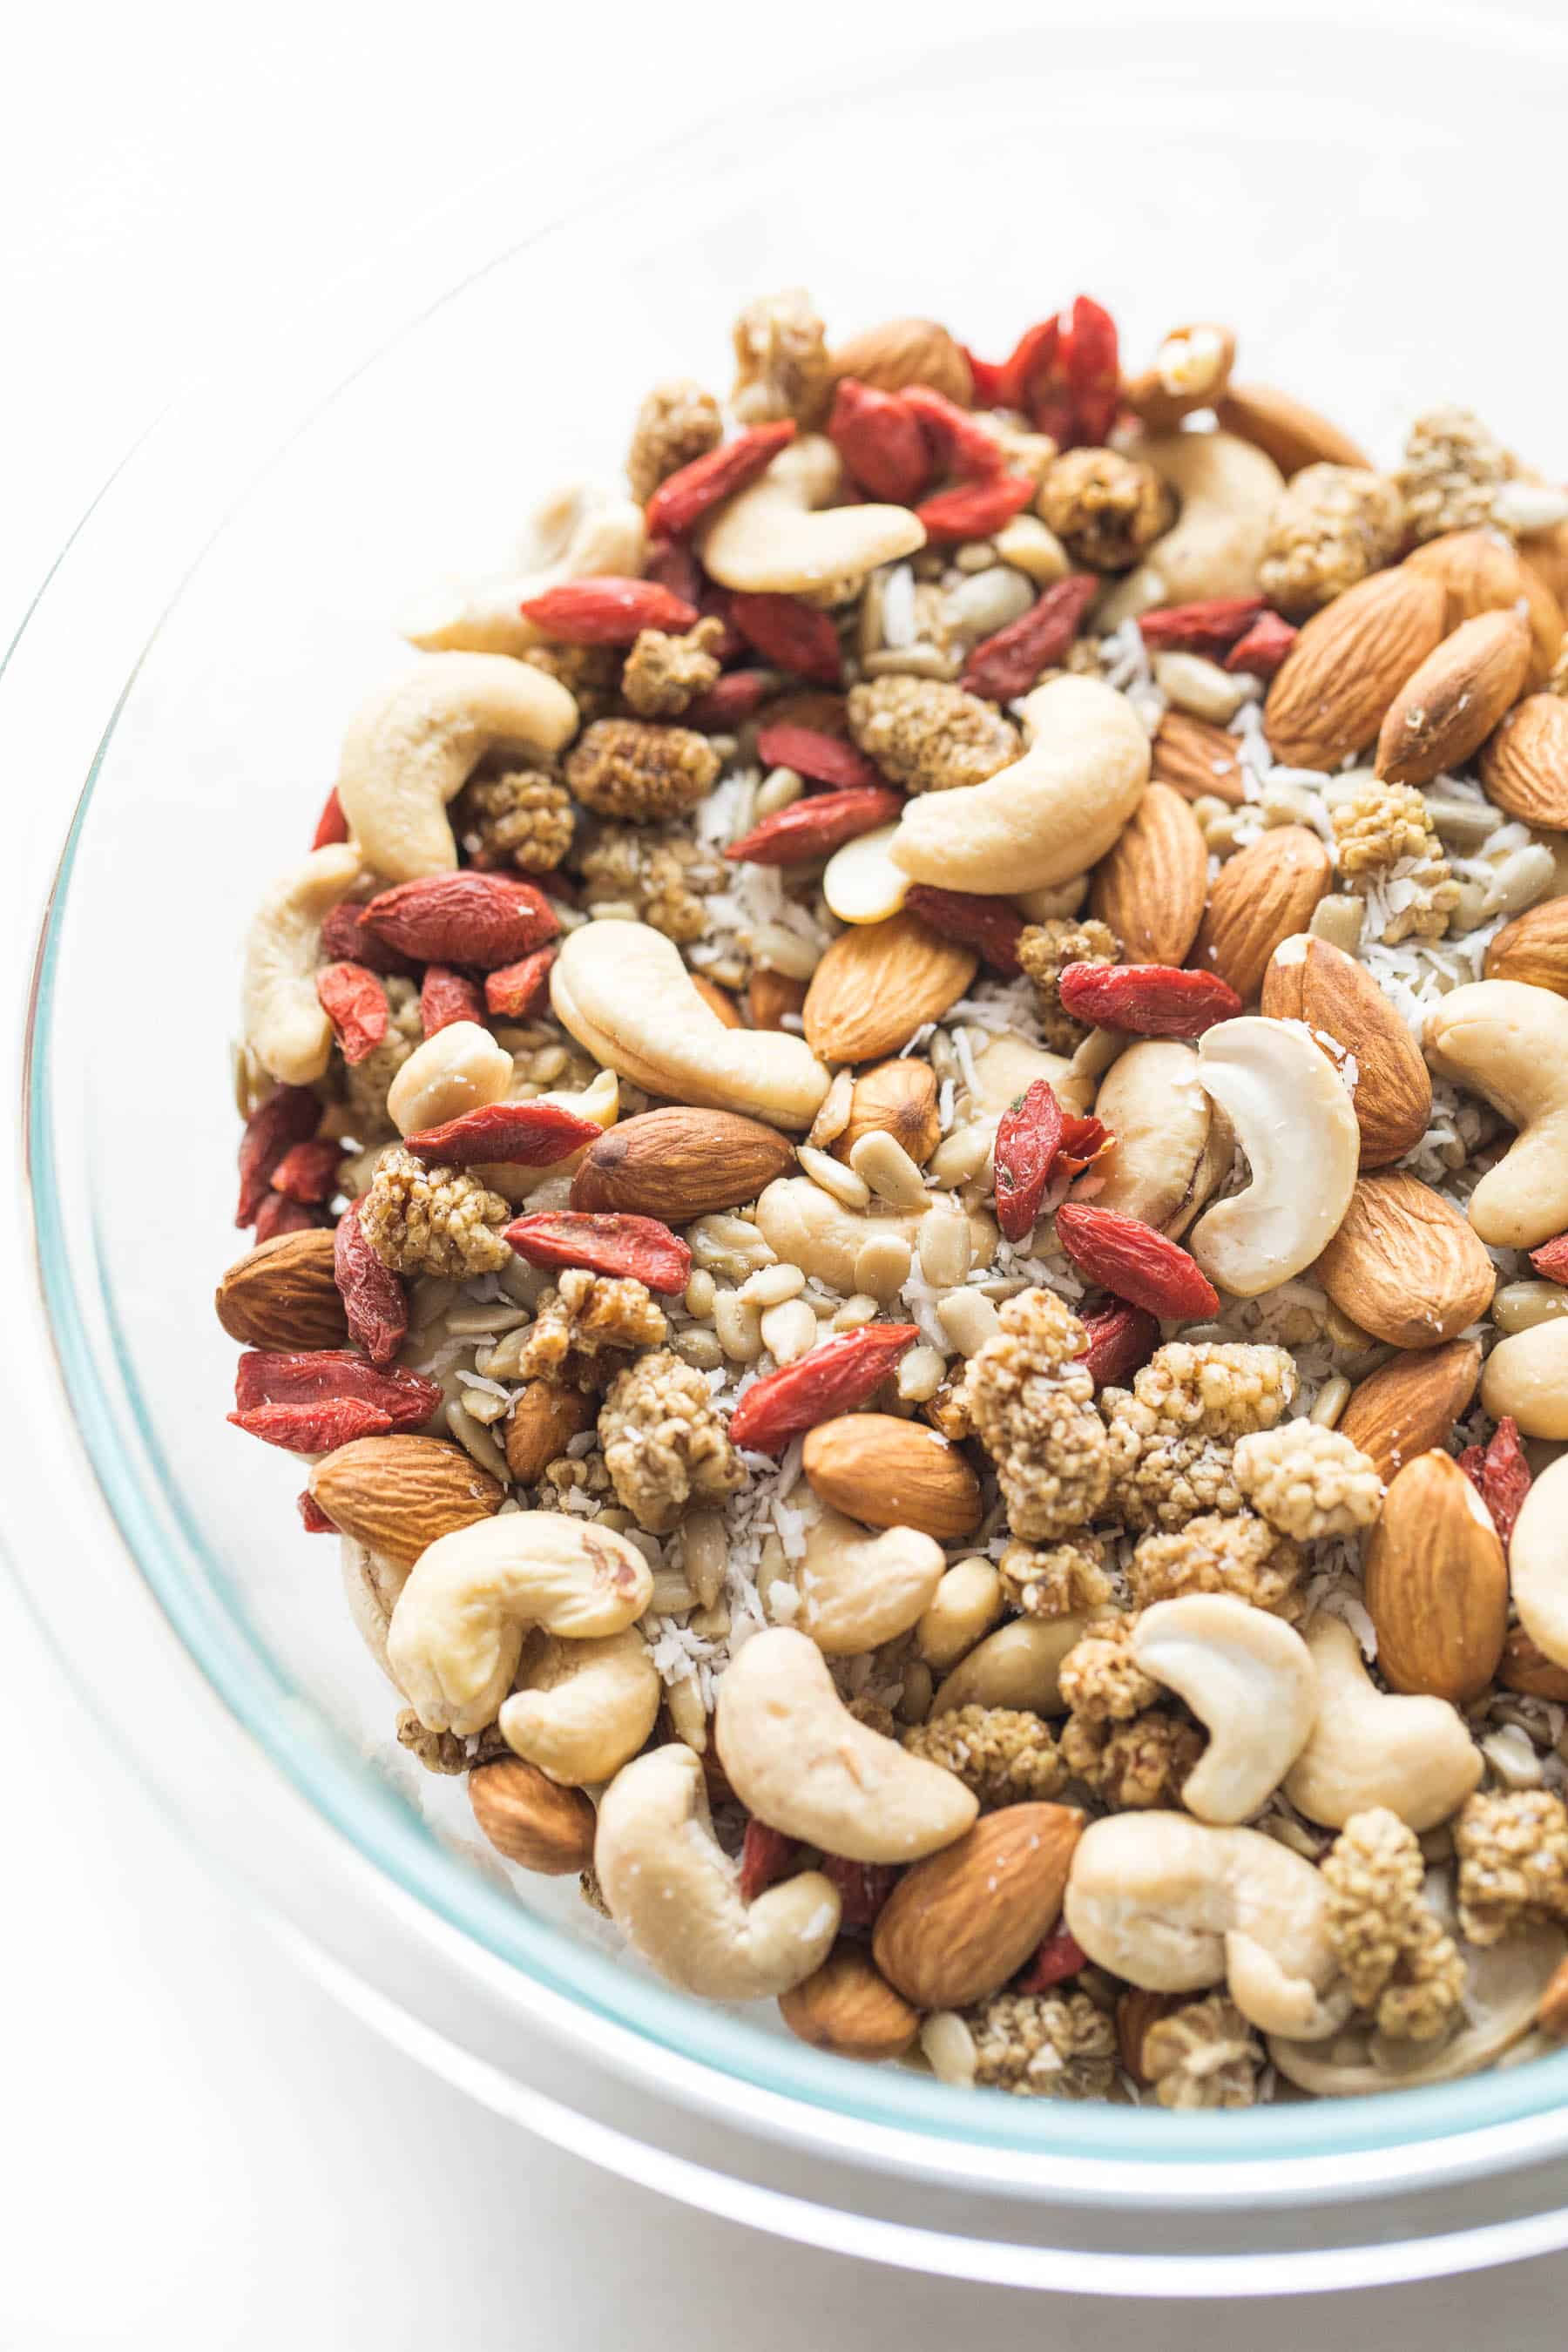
{"x":906,"y":1141}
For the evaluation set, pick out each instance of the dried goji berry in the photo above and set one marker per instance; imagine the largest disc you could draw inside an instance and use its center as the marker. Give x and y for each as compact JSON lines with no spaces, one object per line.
{"x":278,"y":1214}
{"x":730,"y":701}
{"x":346,"y":939}
{"x":519,"y":989}
{"x":1094,"y":371}
{"x":1505,"y":1478}
{"x":1083,"y":1140}
{"x":1029,"y":1136}
{"x":879,"y":436}
{"x":331,"y":825}
{"x":308,"y":1172}
{"x":1059,"y":1957}
{"x":375,"y":1304}
{"x":1147,"y":1000}
{"x":863,"y":1888}
{"x":714,"y":604}
{"x":765,"y":1857}
{"x":671,"y":564}
{"x":270,"y":1376}
{"x":816,"y":826}
{"x":992,"y":925}
{"x":794,"y":636}
{"x":354,"y":1001}
{"x":1006,"y":665}
{"x":1138,"y":1264}
{"x":986,"y":378}
{"x":314,"y":1518}
{"x":313,"y":1428}
{"x":1551,"y":1259}
{"x":963,"y":445}
{"x":1032,"y":375}
{"x":1211,"y":627}
{"x":1121,"y":1340}
{"x":825,"y":759}
{"x":1260,"y":649}
{"x":287,"y":1117}
{"x":833,"y":1377}
{"x":683,"y":499}
{"x":483,"y":919}
{"x":974,"y":509}
{"x":606,"y":1242}
{"x":605,"y":611}
{"x":528,"y":1134}
{"x":445,"y":996}
{"x":1472,"y":1461}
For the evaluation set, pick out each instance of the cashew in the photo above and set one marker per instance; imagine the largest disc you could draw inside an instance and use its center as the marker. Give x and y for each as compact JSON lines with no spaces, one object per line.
{"x":1248,"y":1678}
{"x":1538,"y":1563}
{"x":624,"y":994}
{"x":460,"y":1068}
{"x":1293,"y":1119}
{"x":1172,"y":1905}
{"x":285,"y":1027}
{"x":675,"y":1893}
{"x":1509,"y":1041}
{"x":582,"y":1708}
{"x":862,"y":1589}
{"x":781,"y":535}
{"x":1527,"y":1378}
{"x":1173,"y":1143}
{"x":808,"y":1227}
{"x":798,"y":1760}
{"x":1373,"y":1747}
{"x":415,"y":744}
{"x":1049,"y":815}
{"x":1016,"y":1667}
{"x":1502,"y":1993}
{"x":457,"y":1631}
{"x":372,"y":1583}
{"x":1008,"y":1067}
{"x":1227,"y":489}
{"x":577,"y":534}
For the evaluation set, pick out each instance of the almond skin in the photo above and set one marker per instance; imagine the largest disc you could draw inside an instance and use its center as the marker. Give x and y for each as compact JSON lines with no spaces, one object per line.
{"x":719,"y":1000}
{"x":1349,"y":662}
{"x":888,"y":1472}
{"x":848,"y":2006}
{"x":1308,"y":979}
{"x":543,"y":1420}
{"x":878,"y":983}
{"x":960,"y":1923}
{"x":531,"y":1820}
{"x":1529,"y":1670}
{"x":1533,"y":948}
{"x":397,"y":1494}
{"x":680,"y":1163}
{"x":1482,"y":572}
{"x":1405,"y":1265}
{"x":906,"y":351}
{"x":896,"y":1098}
{"x":1152,"y":886}
{"x":1287,"y":430}
{"x":1260,"y":897}
{"x":1436,"y":1584}
{"x":1411,"y":1404}
{"x":1196,"y":760}
{"x":1136,"y":2011}
{"x":1525,"y":766}
{"x":770,"y":995}
{"x":282,"y":1295}
{"x":1454,"y":700}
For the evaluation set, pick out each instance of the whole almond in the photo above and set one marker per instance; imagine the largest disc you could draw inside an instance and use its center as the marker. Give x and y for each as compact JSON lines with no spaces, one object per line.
{"x":1525,"y":766}
{"x":1151,"y":886}
{"x":1450,"y":706}
{"x":1411,"y":1404}
{"x":1197,"y":760}
{"x":531,"y":1819}
{"x":282,"y":1295}
{"x":1405,"y":1265}
{"x":1436,"y":1584}
{"x":680,"y":1163}
{"x":1482,"y":572}
{"x":1533,"y":948}
{"x":888,"y":1472}
{"x":1351,"y":659}
{"x":770,"y":995}
{"x":1545,"y":554}
{"x":878,"y":983}
{"x":906,"y":351}
{"x":397,"y":1494}
{"x":848,"y":2006}
{"x":960,"y":1923}
{"x":896,"y":1098}
{"x":543,"y":1420}
{"x":1311,"y":980}
{"x":718,"y":1000}
{"x":1261,"y":896}
{"x":1529,"y":1670}
{"x":1287,"y":430}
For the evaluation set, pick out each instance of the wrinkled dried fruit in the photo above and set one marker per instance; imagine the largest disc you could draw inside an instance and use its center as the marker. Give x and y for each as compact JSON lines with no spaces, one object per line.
{"x":375,"y":1303}
{"x":766,"y":1856}
{"x":962,"y":444}
{"x":287,"y":1117}
{"x":606,"y":1242}
{"x":684,"y":498}
{"x":308,"y":1172}
{"x":519,"y":989}
{"x":825,"y":759}
{"x":1551,"y":1259}
{"x":794,"y":636}
{"x":1138,"y":1264}
{"x":1147,"y":1000}
{"x":525,"y":1134}
{"x":989,"y":924}
{"x":673,"y":566}
{"x":319,"y":1375}
{"x":877,"y":435}
{"x":1504,"y":1478}
{"x":974,"y":509}
{"x":1066,"y":376}
{"x":277,"y":1215}
{"x":816,"y":825}
{"x":1029,"y":1136}
{"x":1005,"y":665}
{"x":730,"y":701}
{"x":312,"y":1519}
{"x":863,"y":1888}
{"x":1059,"y":1957}
{"x":316,"y":1428}
{"x":1210,"y":627}
{"x":1260,"y":649}
{"x":354,"y":1001}
{"x":1121,"y":1339}
{"x":346,"y":939}
{"x":605,"y":611}
{"x":445,"y":996}
{"x":832,"y":1378}
{"x":331,"y":825}
{"x":483,"y":919}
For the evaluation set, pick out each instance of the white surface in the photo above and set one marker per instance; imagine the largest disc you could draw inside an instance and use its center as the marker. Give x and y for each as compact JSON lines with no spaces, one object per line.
{"x":202,"y":2151}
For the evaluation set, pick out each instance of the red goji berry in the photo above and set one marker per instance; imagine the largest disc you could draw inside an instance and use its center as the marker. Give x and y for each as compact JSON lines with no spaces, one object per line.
{"x":605,"y":1241}
{"x":519,"y":989}
{"x":346,"y":939}
{"x":1260,"y":649}
{"x":1094,"y":371}
{"x":1059,"y":1957}
{"x":833,"y":1377}
{"x":1551,"y":1259}
{"x":1006,"y":665}
{"x":765,"y":1857}
{"x":974,"y":509}
{"x":714,"y":604}
{"x":1211,"y":627}
{"x":375,"y":1304}
{"x":1032,"y":375}
{"x":1147,"y":1000}
{"x":354,"y":1001}
{"x":825,"y":759}
{"x":1129,"y":1257}
{"x":879,"y":436}
{"x":1505,"y":1478}
{"x":669,"y":563}
{"x":289,"y":1116}
{"x":483,"y":919}
{"x":992,"y":925}
{"x":1121,"y":1340}
{"x":863,"y":1888}
{"x":985,"y":376}
{"x":794,"y":636}
{"x":963,"y":445}
{"x":527,"y":1134}
{"x":1029,"y":1136}
{"x":730,"y":701}
{"x":313,"y":1428}
{"x":605,"y":611}
{"x":445,"y":996}
{"x":314,"y":1518}
{"x":308,"y":1172}
{"x":331,"y":825}
{"x":814,"y":827}
{"x":682,"y":500}
{"x":319,"y":1375}
{"x":1472,"y":1461}
{"x":1083,"y":1140}
{"x":278,"y":1214}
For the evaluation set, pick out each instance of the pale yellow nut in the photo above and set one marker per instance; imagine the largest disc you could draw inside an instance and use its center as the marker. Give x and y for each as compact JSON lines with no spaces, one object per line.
{"x":1227,"y":490}
{"x":285,"y":1028}
{"x":1503,"y":1989}
{"x":1371,"y":1748}
{"x":782,"y":534}
{"x":1538,"y":1563}
{"x":582,"y":1708}
{"x":578,"y":533}
{"x":861,"y":883}
{"x":1526,"y":1380}
{"x":1248,"y":1678}
{"x":460,"y":1068}
{"x":1291,"y":1115}
{"x":859,"y":1591}
{"x":1507,"y":1040}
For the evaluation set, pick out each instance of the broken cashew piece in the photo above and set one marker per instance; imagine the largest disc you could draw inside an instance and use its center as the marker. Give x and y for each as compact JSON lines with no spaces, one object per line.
{"x":414,"y":745}
{"x":782,"y":535}
{"x":1173,"y":1142}
{"x":1049,"y":815}
{"x":798,"y":1760}
{"x":582,"y":1708}
{"x":284,"y":1024}
{"x":1509,"y":1041}
{"x":1248,"y":1678}
{"x":1174,"y":1905}
{"x":624,"y":994}
{"x":1371,"y":1748}
{"x":579,"y":533}
{"x":460,"y":1068}
{"x":675,"y":1893}
{"x":1228,"y":488}
{"x":1538,"y":1563}
{"x":1294,"y":1121}
{"x":1503,"y":1987}
{"x":859,"y":1589}
{"x":457,"y":1629}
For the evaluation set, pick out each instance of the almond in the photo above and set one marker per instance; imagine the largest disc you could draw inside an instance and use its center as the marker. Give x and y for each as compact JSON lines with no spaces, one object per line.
{"x":397,"y":1494}
{"x":848,"y":2006}
{"x":1552,"y":2016}
{"x":1533,"y":948}
{"x":1436,"y":1584}
{"x":679,"y":1163}
{"x":542,"y":1419}
{"x":878,"y":983}
{"x":1309,"y":981}
{"x":1260,"y":897}
{"x":1285,"y":430}
{"x":888,"y":1472}
{"x":906,"y":351}
{"x":1136,"y":2011}
{"x":1529,"y":1670}
{"x":282,"y":1295}
{"x":1348,"y":664}
{"x":531,"y":1820}
{"x":718,"y":1000}
{"x":1411,"y":1404}
{"x":1450,"y":706}
{"x":896,"y":1098}
{"x":1545,"y":555}
{"x":1525,"y":766}
{"x":770,"y":995}
{"x":960,"y":1923}
{"x":1152,"y":886}
{"x":1405,"y":1265}
{"x":1197,"y":760}
{"x":1482,"y":572}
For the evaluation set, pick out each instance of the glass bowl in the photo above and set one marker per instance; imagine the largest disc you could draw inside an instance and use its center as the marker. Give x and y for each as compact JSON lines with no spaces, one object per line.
{"x":180,"y":688}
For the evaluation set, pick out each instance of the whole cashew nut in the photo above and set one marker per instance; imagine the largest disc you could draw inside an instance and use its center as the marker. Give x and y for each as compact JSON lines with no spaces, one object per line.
{"x":1294,"y":1121}
{"x":798,"y":1760}
{"x":460,"y":1068}
{"x":675,"y":1893}
{"x":1172,"y":1905}
{"x":372,"y":1583}
{"x":1173,"y":1142}
{"x":284,"y":1024}
{"x":1049,"y":815}
{"x":782,"y":535}
{"x":1526,"y":1378}
{"x":577,"y":534}
{"x":860,"y":1590}
{"x":1248,"y":1678}
{"x":582,"y":1708}
{"x":1372,"y":1748}
{"x":1538,"y":1563}
{"x":1008,"y":1066}
{"x":457,"y":1629}
{"x":414,"y":745}
{"x":1227,"y":489}
{"x":1509,"y":1041}
{"x":624,"y":994}
{"x":1017,"y":1666}
{"x":1502,"y":1994}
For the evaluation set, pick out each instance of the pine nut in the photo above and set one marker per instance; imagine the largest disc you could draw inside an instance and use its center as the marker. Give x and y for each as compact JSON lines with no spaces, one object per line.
{"x":699,"y":1294}
{"x":774,"y":1285}
{"x":850,"y":1191}
{"x":1523,"y":877}
{"x":1331,"y":1401}
{"x":962,"y":1155}
{"x":883,"y":1264}
{"x":856,"y":1310}
{"x":686,"y":1713}
{"x":779,"y":789}
{"x":700,"y":1348}
{"x":921,"y":1373}
{"x":788,"y":1330}
{"x":1200,"y":688}
{"x":968,"y":1318}
{"x":881,"y":1161}
{"x":778,"y":948}
{"x":739,"y":1328}
{"x":705,"y":1554}
{"x":1521,"y":1305}
{"x":945,"y":1248}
